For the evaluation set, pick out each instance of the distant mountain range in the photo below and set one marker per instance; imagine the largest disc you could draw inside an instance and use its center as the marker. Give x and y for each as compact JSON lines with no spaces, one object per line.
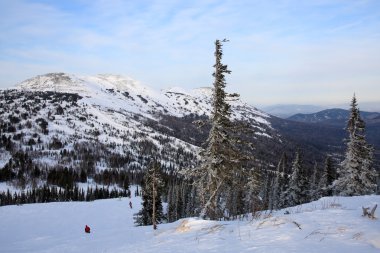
{"x":335,"y":116}
{"x":287,"y":110}
{"x":330,"y":124}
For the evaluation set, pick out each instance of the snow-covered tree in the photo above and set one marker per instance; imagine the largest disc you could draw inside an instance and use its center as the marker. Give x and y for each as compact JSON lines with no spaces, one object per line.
{"x":221,"y":164}
{"x":297,"y":191}
{"x":151,"y":212}
{"x":279,"y":183}
{"x":327,"y":178}
{"x":314,"y":191}
{"x":266,"y":189}
{"x":253,"y":201}
{"x":179,"y":200}
{"x":285,"y":184}
{"x":356,"y":173}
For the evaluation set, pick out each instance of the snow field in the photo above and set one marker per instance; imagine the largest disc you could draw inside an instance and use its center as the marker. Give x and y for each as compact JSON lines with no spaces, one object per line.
{"x":332,"y":224}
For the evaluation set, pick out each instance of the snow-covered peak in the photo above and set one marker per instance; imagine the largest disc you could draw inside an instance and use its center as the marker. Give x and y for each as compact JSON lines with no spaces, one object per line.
{"x":118,"y":82}
{"x":58,"y":82}
{"x":116,"y":92}
{"x":63,"y":82}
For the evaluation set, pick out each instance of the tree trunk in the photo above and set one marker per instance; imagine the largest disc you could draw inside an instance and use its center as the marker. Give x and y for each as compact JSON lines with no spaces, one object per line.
{"x":372,"y":214}
{"x":209,"y":202}
{"x":154,"y":202}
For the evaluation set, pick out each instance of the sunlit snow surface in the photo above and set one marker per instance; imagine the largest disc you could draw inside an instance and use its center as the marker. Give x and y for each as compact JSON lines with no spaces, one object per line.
{"x":328,"y":225}
{"x":118,"y":113}
{"x":123,"y":93}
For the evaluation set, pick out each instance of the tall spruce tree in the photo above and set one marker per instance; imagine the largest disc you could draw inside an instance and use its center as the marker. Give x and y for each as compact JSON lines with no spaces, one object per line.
{"x":253,"y":201}
{"x":221,"y":164}
{"x":297,"y":191}
{"x":285,"y":184}
{"x":179,"y":200}
{"x":356,"y":173}
{"x":266,"y":189}
{"x":314,"y":190}
{"x":327,"y":178}
{"x":279,"y":183}
{"x":151,"y":212}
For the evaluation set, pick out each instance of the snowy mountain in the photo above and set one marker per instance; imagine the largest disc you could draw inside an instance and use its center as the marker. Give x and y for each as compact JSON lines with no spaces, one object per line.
{"x":331,"y":224}
{"x":93,"y":123}
{"x":125,"y":94}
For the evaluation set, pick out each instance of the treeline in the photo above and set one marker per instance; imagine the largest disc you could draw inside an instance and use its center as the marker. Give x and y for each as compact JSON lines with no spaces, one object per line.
{"x":294,"y":184}
{"x":56,"y":194}
{"x":61,"y":185}
{"x":291,"y":183}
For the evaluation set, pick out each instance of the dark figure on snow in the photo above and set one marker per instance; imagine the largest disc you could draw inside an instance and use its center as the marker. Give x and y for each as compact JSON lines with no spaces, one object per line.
{"x":87,"y":229}
{"x":130,"y":204}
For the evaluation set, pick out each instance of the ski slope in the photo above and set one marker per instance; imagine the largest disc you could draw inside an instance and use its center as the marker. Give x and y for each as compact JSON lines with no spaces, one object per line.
{"x":331,"y":224}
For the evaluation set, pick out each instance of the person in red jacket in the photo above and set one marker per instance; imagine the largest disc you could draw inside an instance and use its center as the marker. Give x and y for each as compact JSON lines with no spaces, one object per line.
{"x":87,"y":229}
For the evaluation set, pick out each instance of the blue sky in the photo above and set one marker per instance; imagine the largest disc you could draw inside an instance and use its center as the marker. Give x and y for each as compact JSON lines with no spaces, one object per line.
{"x":283,"y":51}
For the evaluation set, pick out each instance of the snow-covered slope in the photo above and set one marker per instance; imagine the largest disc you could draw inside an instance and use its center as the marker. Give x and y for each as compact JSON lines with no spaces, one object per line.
{"x":109,"y":114}
{"x":124,"y":93}
{"x":332,"y":224}
{"x":114,"y":94}
{"x":107,"y":91}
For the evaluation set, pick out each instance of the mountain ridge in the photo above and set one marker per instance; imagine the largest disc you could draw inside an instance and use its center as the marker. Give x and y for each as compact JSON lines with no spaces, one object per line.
{"x":57,"y":111}
{"x":334,"y":116}
{"x":287,"y":110}
{"x":185,"y":101}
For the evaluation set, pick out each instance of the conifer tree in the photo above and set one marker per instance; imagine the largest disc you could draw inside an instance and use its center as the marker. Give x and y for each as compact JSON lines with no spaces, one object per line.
{"x":356,"y":173}
{"x":177,"y":199}
{"x":171,"y":199}
{"x":314,"y":190}
{"x":266,"y":190}
{"x":191,"y":201}
{"x":253,"y":188}
{"x":151,"y":212}
{"x":285,"y":184}
{"x":279,"y":183}
{"x":222,"y":161}
{"x":297,"y":192}
{"x":327,"y":178}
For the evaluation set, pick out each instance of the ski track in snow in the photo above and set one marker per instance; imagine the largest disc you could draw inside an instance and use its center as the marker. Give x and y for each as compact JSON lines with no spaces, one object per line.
{"x":331,"y":224}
